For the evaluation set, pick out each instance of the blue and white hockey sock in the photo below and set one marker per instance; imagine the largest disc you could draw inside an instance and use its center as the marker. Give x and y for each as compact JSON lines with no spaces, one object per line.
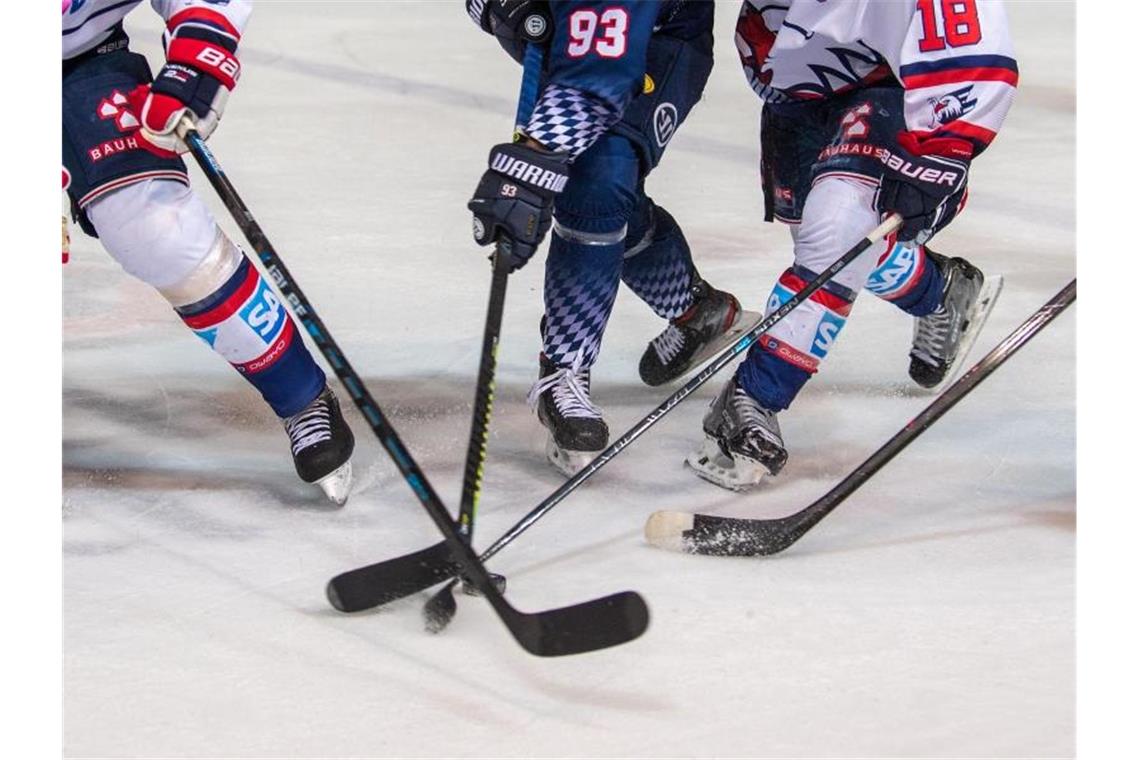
{"x":906,"y":277}
{"x":785,"y":357}
{"x":658,"y":265}
{"x":581,"y":285}
{"x":249,"y":327}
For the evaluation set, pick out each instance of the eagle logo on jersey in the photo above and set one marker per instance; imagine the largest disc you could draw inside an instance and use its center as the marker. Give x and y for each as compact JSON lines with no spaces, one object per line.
{"x":755,"y":37}
{"x":951,"y":106}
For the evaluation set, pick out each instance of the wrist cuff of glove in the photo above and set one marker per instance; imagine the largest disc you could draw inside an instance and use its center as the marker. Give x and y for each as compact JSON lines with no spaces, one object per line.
{"x":204,"y":50}
{"x":542,"y":173}
{"x":194,"y":89}
{"x":947,"y":147}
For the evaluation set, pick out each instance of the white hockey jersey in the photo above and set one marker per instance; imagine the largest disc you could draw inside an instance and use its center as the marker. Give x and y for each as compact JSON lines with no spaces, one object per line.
{"x":954,"y":58}
{"x":86,"y":23}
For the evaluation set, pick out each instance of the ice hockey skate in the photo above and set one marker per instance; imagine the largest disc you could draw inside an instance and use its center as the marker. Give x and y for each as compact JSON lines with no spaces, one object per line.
{"x":322,"y":445}
{"x":943,"y":339}
{"x":742,"y":441}
{"x":713,"y":321}
{"x":561,"y":397}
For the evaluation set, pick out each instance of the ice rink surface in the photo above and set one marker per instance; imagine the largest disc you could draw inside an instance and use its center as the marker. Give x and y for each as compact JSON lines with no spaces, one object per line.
{"x":932,"y":615}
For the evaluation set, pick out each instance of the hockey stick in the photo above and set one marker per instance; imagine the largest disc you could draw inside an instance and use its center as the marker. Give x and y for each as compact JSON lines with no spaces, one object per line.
{"x":442,"y":605}
{"x":438,"y":606}
{"x":584,"y":627}
{"x":735,"y":537}
{"x":403,"y":574}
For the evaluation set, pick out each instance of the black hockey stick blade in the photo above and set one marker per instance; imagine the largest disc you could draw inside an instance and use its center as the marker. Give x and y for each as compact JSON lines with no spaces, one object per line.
{"x":740,"y":537}
{"x":373,"y":585}
{"x":585,"y":627}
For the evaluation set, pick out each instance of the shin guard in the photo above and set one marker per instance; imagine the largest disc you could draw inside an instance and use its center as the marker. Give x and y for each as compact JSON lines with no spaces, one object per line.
{"x":230,"y":306}
{"x":785,"y":357}
{"x":658,"y":265}
{"x":906,"y":277}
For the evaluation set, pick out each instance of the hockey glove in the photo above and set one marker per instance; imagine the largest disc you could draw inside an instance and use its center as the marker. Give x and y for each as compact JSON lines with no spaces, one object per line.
{"x":515,"y":198}
{"x":513,"y":21}
{"x":201,"y":69}
{"x":925,"y":184}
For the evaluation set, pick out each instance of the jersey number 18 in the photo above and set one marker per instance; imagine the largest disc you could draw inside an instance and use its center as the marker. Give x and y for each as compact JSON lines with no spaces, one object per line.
{"x":959,"y":23}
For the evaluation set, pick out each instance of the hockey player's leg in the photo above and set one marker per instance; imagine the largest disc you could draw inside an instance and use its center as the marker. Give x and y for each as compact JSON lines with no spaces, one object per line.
{"x":582,"y":275}
{"x":659,"y":268}
{"x":949,"y":298}
{"x":743,"y":441}
{"x":139,"y":205}
{"x":162,"y":233}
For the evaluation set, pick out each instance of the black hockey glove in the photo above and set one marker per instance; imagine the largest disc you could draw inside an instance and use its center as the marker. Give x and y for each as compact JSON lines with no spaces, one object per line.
{"x":513,"y":20}
{"x":515,"y":198}
{"x":925,"y":184}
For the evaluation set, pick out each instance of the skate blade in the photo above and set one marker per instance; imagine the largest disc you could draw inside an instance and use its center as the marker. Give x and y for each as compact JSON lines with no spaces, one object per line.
{"x":983,"y":307}
{"x":711,"y":464}
{"x":569,"y":463}
{"x":744,"y":322}
{"x":337,"y":484}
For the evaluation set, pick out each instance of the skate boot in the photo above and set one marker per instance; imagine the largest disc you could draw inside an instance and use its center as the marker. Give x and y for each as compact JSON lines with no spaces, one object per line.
{"x":943,"y":338}
{"x":322,"y":445}
{"x":562,"y":399}
{"x":742,"y":441}
{"x":713,"y":321}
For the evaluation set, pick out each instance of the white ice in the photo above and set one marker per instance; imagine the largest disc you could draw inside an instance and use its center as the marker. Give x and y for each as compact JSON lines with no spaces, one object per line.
{"x":931,"y":615}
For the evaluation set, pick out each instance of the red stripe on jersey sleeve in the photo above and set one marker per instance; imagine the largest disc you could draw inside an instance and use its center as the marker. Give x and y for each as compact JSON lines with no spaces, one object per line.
{"x":956,"y":76}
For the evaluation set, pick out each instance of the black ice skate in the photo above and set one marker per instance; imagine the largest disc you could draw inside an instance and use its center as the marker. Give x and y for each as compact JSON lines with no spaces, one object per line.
{"x":322,"y":445}
{"x":742,"y":441}
{"x":562,"y":399}
{"x":713,"y":321}
{"x":943,"y":338}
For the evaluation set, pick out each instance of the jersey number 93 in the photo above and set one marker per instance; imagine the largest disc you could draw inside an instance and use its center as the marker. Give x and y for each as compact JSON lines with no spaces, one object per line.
{"x":603,"y":33}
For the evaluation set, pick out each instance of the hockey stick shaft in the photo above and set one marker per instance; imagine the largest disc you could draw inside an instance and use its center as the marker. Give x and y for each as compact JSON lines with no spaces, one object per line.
{"x":484,"y":395}
{"x":591,"y":625}
{"x":441,"y":607}
{"x":889,"y":225}
{"x":743,"y":537}
{"x":485,"y":383}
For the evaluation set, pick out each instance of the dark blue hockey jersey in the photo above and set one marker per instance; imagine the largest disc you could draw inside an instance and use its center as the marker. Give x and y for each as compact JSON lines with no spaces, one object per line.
{"x":596,"y":60}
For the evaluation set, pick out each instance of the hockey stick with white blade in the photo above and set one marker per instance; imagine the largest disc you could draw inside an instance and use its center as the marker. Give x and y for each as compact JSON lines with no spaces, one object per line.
{"x":386,"y":581}
{"x":740,"y":537}
{"x":596,"y":624}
